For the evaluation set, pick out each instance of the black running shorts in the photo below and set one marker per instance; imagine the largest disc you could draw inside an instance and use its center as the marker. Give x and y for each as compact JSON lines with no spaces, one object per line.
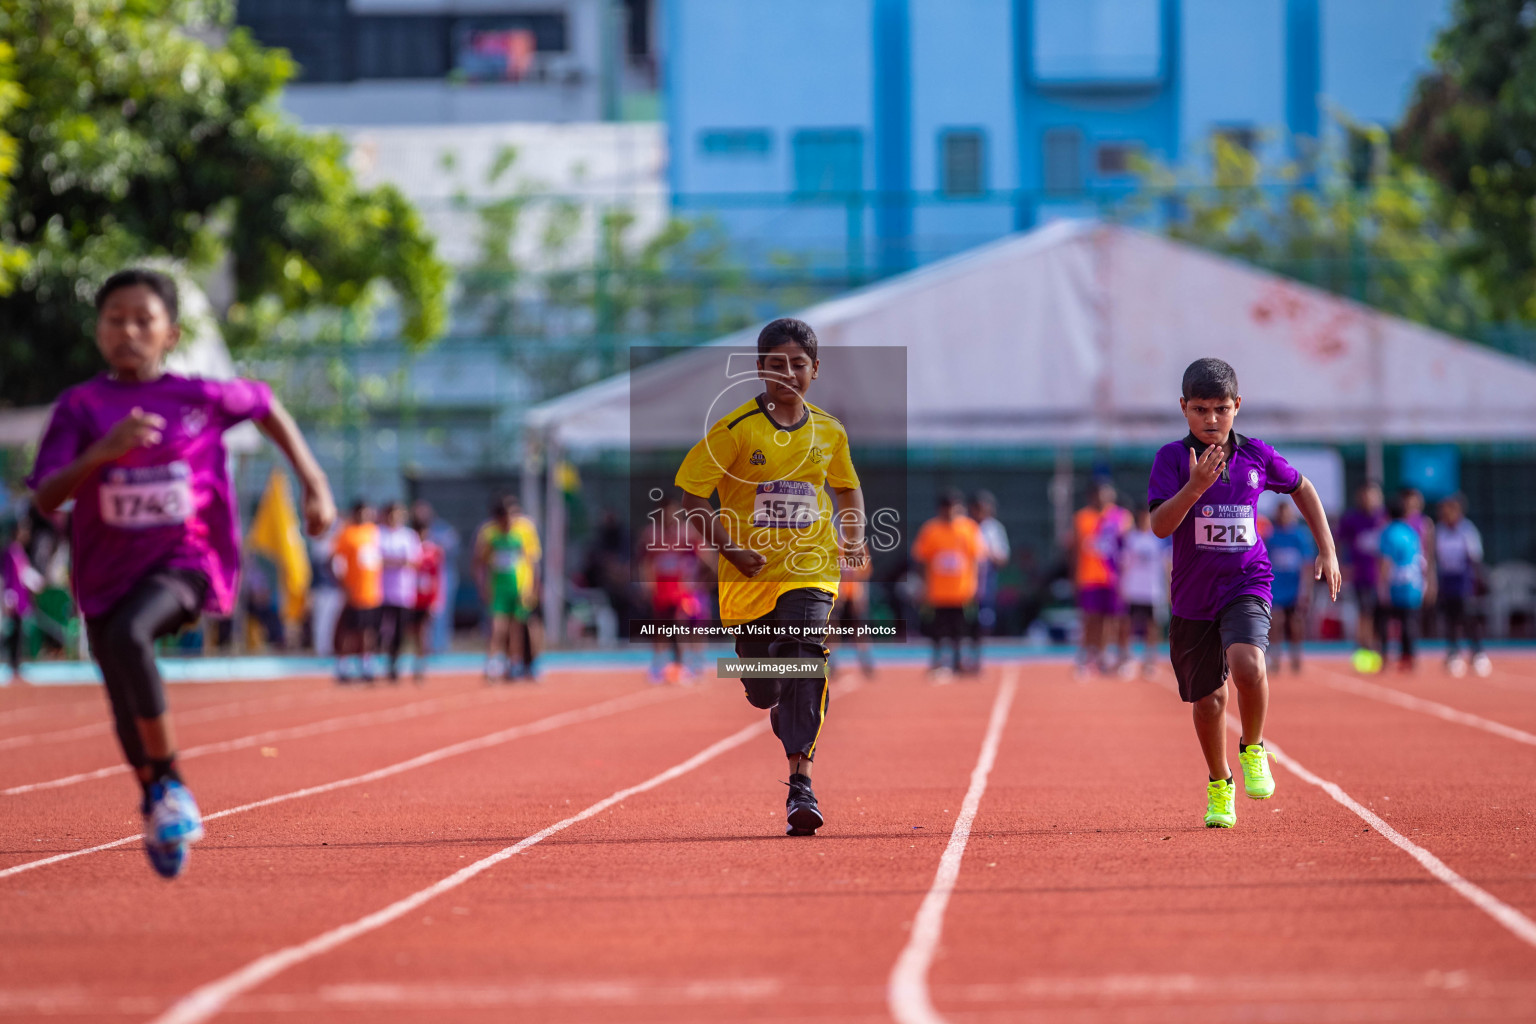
{"x":1198,"y":647}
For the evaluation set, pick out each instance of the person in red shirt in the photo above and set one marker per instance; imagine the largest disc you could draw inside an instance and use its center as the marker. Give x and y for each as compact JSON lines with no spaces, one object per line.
{"x":948,"y":546}
{"x":670,"y":569}
{"x":429,"y":595}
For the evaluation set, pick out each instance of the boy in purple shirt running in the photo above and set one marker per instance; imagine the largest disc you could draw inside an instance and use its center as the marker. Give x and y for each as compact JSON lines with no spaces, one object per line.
{"x":1203,"y":493}
{"x":154,"y":534}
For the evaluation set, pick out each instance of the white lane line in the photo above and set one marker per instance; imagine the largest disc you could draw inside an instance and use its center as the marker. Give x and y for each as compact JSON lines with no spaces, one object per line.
{"x":202,"y":714}
{"x":415,"y":709}
{"x":1522,"y":927}
{"x":1387,"y":695}
{"x":564,"y":718}
{"x":907,"y":993}
{"x":210,"y":999}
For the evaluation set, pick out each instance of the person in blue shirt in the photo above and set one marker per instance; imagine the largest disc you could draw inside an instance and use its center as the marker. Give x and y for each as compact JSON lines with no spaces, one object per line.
{"x":1401,"y":582}
{"x":1290,"y":554}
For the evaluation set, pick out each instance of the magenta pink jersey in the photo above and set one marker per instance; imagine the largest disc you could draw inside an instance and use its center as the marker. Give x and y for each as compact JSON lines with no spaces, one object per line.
{"x":169,"y":506}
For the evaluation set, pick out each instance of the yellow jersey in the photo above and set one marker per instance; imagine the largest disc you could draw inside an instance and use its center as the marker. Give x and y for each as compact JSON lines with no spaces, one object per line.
{"x":527,"y":535}
{"x":772,"y":482}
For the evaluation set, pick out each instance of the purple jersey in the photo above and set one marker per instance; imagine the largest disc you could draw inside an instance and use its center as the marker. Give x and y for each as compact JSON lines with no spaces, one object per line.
{"x":168,"y":506}
{"x":1360,"y":540}
{"x":1218,"y":555}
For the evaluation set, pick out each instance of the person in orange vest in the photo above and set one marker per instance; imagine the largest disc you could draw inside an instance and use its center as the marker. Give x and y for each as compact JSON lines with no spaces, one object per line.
{"x":1098,"y":534}
{"x":359,"y":566}
{"x":948,"y":546}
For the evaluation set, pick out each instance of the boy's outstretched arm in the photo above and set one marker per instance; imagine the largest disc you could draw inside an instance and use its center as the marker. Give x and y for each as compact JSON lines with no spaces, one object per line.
{"x":700,"y":515}
{"x":851,"y":521}
{"x":1311,"y":508}
{"x":1203,"y":472}
{"x":319,"y":505}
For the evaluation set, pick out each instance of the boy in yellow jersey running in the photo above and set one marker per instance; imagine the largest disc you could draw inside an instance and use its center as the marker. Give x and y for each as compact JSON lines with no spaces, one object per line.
{"x":782,"y":546}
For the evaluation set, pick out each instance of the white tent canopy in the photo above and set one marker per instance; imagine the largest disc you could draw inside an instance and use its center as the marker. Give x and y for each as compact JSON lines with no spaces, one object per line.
{"x":1078,"y":333}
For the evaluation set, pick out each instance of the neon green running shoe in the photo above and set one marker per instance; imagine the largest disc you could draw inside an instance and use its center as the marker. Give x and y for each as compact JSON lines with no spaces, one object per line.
{"x":1219,"y":799}
{"x":1257,"y":780}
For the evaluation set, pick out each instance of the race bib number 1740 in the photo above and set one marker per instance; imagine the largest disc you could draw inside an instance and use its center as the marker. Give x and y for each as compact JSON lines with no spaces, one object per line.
{"x":137,"y":497}
{"x":1225,"y":527}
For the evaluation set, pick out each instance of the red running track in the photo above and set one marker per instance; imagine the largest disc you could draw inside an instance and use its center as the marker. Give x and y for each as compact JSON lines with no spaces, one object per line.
{"x":1087,"y":890}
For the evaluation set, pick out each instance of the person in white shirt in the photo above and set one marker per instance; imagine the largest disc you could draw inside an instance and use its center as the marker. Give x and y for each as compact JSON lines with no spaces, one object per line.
{"x":1459,"y":559}
{"x":995,"y":553}
{"x":400,"y":549}
{"x":1144,"y":566}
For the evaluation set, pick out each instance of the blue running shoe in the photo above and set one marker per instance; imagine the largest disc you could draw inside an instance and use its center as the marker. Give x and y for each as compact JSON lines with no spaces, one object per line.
{"x":169,"y":861}
{"x":173,"y":815}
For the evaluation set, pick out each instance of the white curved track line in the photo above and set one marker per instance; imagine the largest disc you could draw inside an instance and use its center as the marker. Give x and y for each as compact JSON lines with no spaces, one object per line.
{"x":1387,"y":695}
{"x":401,"y":712}
{"x":907,"y":993}
{"x":1522,"y":927}
{"x":564,"y":718}
{"x":208,"y":713}
{"x":207,"y":1001}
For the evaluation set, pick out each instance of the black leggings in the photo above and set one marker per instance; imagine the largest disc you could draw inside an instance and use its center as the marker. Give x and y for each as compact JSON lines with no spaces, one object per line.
{"x":123,"y":644}
{"x":1458,"y":620}
{"x":13,"y":637}
{"x":802,"y":702}
{"x":1407,"y":620}
{"x":394,"y":623}
{"x":950,"y":623}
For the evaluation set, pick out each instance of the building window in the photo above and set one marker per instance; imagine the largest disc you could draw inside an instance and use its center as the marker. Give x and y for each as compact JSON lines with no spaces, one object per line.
{"x":962,"y":162}
{"x":1115,"y":159}
{"x":750,"y":143}
{"x":1103,"y":41}
{"x":829,"y":162}
{"x":1063,"y":161}
{"x":1368,"y":148}
{"x":401,"y":47}
{"x":314,"y":32}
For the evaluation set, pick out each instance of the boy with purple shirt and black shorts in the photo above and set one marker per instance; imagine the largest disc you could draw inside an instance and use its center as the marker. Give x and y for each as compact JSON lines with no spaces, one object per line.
{"x":154,"y":534}
{"x":1203,"y":493}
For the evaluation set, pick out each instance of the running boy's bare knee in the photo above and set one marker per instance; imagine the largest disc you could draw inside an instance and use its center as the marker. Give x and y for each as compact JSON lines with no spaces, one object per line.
{"x":1212,"y":705}
{"x":1247,"y":664}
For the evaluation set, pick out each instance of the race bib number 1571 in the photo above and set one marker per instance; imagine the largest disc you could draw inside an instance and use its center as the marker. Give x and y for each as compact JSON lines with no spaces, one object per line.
{"x":133,"y":498}
{"x":785,"y":504}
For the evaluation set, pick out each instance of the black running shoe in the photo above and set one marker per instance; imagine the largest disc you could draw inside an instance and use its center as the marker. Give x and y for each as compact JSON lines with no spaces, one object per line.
{"x":800,"y":809}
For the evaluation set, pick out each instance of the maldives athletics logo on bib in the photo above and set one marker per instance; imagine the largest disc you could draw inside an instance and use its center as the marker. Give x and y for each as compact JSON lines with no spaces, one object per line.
{"x":1208,"y":511}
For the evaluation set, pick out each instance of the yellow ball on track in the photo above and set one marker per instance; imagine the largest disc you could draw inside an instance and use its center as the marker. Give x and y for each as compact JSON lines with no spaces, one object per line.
{"x":1367,"y":662}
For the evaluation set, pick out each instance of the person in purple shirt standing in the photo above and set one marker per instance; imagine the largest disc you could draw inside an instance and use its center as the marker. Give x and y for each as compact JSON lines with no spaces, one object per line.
{"x":19,"y":581}
{"x":1360,"y":540}
{"x":1203,"y":494}
{"x":154,"y":534}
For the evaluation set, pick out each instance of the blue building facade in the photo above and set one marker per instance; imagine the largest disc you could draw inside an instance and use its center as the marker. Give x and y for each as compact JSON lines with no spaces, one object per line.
{"x":872,"y":135}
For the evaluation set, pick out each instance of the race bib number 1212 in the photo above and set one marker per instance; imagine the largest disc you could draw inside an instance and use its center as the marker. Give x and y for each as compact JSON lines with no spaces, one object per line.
{"x":1225,"y":527}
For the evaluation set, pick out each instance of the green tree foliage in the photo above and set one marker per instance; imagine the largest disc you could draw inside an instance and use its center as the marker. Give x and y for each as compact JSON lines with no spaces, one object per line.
{"x":1378,"y":231}
{"x":1472,"y":127}
{"x":12,"y":258}
{"x":147,"y":128}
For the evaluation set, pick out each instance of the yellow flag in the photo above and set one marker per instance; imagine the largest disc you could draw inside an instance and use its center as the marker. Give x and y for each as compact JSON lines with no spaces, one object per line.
{"x":275,"y":533}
